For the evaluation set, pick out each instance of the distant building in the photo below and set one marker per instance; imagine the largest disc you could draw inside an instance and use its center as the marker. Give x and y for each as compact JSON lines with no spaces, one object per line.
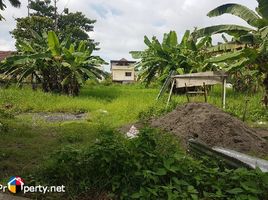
{"x":123,"y":71}
{"x":5,"y":54}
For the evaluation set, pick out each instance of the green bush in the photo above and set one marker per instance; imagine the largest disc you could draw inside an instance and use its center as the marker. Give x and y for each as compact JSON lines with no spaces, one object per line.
{"x":151,"y":166}
{"x":4,"y":115}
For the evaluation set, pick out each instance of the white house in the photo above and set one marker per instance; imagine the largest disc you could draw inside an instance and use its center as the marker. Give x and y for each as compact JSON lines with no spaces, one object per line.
{"x":123,"y":71}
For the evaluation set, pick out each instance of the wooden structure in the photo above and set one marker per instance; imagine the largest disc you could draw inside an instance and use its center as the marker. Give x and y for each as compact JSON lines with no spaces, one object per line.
{"x":201,"y":79}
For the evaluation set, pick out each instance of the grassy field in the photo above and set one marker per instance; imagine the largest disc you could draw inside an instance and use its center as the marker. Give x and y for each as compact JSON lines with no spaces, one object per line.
{"x":26,"y":142}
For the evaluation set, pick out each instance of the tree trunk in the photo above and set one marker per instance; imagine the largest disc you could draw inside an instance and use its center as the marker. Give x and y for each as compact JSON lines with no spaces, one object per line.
{"x":265,"y":83}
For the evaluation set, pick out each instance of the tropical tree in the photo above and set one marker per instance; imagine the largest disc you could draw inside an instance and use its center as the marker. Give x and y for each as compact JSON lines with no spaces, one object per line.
{"x":43,"y":18}
{"x":159,"y":59}
{"x":252,"y":53}
{"x":76,"y":63}
{"x":256,"y":21}
{"x":15,"y":3}
{"x":60,"y":67}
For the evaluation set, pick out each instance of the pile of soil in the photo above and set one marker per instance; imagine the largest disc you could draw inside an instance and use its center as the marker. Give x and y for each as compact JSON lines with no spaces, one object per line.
{"x":211,"y":126}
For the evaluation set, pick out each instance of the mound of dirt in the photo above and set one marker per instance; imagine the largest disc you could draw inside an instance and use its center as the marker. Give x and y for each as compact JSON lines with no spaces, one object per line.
{"x":211,"y":126}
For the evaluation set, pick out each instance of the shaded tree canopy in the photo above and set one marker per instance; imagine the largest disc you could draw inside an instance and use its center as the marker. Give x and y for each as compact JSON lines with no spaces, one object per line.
{"x":42,"y":19}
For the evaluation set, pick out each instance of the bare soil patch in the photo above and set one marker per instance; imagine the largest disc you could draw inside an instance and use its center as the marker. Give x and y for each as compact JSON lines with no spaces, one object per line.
{"x":57,"y":117}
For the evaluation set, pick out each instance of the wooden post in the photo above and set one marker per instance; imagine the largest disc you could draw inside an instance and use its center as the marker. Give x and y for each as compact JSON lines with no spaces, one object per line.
{"x":245,"y":110}
{"x":170,"y":92}
{"x":167,"y":81}
{"x":186,"y":92}
{"x":224,"y":92}
{"x":205,"y":92}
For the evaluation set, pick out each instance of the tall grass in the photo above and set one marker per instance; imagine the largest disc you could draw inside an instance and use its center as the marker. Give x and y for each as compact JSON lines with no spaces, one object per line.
{"x":119,"y":104}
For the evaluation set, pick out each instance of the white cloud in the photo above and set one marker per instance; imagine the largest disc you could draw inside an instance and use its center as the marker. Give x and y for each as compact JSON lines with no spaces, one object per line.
{"x":121,"y":24}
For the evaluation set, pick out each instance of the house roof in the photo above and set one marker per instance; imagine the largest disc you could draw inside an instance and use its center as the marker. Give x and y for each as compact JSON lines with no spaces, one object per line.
{"x":5,"y":54}
{"x":123,"y":60}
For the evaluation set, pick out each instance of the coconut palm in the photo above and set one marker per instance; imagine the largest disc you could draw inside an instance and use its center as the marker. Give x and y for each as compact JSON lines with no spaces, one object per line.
{"x":15,"y":3}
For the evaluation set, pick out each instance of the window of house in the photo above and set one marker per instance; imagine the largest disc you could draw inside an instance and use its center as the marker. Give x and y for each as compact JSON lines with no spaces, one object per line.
{"x":128,"y":74}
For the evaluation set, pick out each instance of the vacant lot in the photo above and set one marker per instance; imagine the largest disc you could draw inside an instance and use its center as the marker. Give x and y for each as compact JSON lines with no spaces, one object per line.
{"x":31,"y":127}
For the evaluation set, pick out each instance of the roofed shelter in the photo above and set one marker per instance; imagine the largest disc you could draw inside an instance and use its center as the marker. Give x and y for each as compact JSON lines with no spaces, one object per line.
{"x":208,"y":78}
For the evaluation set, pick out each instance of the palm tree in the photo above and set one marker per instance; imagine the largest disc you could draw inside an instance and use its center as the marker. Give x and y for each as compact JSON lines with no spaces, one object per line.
{"x":15,"y":3}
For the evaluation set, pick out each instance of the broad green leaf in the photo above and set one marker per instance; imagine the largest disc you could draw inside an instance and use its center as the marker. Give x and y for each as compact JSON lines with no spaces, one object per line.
{"x":36,"y":35}
{"x":264,"y":32}
{"x":226,"y":47}
{"x":147,"y":41}
{"x":65,"y":64}
{"x":263,"y":8}
{"x":238,"y":10}
{"x":226,"y":56}
{"x":53,"y":43}
{"x":233,"y":30}
{"x":173,"y":40}
{"x":136,"y":54}
{"x":235,"y":191}
{"x":82,"y":46}
{"x":26,"y":46}
{"x":185,"y":38}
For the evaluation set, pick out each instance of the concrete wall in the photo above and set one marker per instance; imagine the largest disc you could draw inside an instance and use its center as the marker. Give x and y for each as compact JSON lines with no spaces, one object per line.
{"x":119,"y":73}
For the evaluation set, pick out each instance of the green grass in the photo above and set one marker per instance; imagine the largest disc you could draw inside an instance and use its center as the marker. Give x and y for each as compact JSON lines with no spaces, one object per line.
{"x":27,"y":142}
{"x":122,"y":102}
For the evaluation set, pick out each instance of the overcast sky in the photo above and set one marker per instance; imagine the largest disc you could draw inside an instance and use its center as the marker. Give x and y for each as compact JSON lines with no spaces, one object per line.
{"x":122,"y":24}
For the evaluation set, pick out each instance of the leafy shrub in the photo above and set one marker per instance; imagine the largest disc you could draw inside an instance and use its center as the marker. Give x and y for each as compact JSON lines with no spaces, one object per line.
{"x":151,"y":166}
{"x":107,"y":81}
{"x":4,"y":115}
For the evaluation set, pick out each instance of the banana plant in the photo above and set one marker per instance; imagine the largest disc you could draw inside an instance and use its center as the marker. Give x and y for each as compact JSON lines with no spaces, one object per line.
{"x":248,"y":48}
{"x":60,"y":67}
{"x":255,"y":20}
{"x":77,"y":63}
{"x":159,"y":59}
{"x":27,"y":65}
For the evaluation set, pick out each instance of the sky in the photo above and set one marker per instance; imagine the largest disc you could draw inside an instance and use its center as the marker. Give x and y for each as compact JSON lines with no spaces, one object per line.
{"x":122,"y":24}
